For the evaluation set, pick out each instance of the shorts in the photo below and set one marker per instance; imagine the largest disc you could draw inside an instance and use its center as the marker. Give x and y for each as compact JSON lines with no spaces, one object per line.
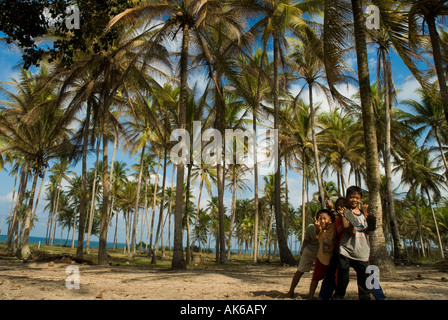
{"x":319,"y":270}
{"x":306,"y":260}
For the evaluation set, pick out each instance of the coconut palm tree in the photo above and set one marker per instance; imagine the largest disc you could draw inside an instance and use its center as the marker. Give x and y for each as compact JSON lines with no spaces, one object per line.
{"x":188,"y":19}
{"x":252,"y":86}
{"x":430,"y":11}
{"x":277,"y":17}
{"x":420,"y":173}
{"x":337,"y":22}
{"x":31,"y":121}
{"x":306,"y":59}
{"x":427,"y":113}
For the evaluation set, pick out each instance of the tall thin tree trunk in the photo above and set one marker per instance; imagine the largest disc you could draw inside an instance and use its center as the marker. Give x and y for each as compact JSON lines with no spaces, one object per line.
{"x":93,"y":200}
{"x":220,"y":124}
{"x":436,"y":225}
{"x":303,"y":198}
{"x":255,"y":251}
{"x":161,"y":206}
{"x":232,"y":214}
{"x":378,"y":253}
{"x":397,"y":247}
{"x":26,"y":252}
{"x":316,"y":149}
{"x":178,"y":261}
{"x":102,"y":248}
{"x":15,"y":219}
{"x":285,"y":254}
{"x":438,"y":61}
{"x":83,"y":200}
{"x":137,"y":202}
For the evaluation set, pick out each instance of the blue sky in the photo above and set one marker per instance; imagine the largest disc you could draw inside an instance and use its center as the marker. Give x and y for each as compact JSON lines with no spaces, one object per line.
{"x":10,"y":57}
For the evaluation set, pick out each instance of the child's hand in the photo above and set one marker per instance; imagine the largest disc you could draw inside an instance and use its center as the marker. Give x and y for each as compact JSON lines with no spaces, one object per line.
{"x":365,"y":208}
{"x":340,"y":211}
{"x":316,"y":222}
{"x":328,"y":204}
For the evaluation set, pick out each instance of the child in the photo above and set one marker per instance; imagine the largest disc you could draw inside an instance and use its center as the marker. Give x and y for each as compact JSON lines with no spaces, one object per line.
{"x":326,"y":234}
{"x":354,"y":248}
{"x":329,"y":282}
{"x":307,"y":256}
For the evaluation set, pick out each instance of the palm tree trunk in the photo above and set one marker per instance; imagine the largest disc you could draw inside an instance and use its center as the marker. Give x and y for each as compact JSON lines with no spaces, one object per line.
{"x":159,"y":231}
{"x":285,"y":254}
{"x":303,"y":198}
{"x":26,"y":252}
{"x":198,"y":208}
{"x":220,"y":123}
{"x":255,"y":252}
{"x":102,"y":248}
{"x":232,"y":214}
{"x":38,"y":196}
{"x":137,"y":202}
{"x":15,"y":220}
{"x":55,"y":214}
{"x":83,"y":200}
{"x":436,"y":225}
{"x":378,"y":253}
{"x":397,"y":247}
{"x":92,"y":201}
{"x":178,"y":261}
{"x":419,"y":224}
{"x":154,"y":201}
{"x":438,"y":61}
{"x":316,"y":149}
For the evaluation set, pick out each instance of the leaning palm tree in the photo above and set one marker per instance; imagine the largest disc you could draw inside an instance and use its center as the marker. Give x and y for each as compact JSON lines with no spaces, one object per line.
{"x":31,"y":121}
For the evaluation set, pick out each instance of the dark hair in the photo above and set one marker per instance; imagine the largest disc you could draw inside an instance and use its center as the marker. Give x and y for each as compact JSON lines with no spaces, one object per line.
{"x":341,"y":202}
{"x":353,"y":189}
{"x":330,"y":214}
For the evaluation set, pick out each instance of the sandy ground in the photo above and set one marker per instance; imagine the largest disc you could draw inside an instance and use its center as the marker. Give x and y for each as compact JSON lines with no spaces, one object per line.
{"x":48,"y":281}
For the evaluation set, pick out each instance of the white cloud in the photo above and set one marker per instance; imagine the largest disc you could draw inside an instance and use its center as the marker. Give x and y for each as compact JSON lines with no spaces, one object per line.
{"x":6,"y":198}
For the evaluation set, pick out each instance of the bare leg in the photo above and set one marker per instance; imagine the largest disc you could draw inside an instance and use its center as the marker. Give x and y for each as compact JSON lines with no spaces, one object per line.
{"x":295,"y":281}
{"x":313,"y":286}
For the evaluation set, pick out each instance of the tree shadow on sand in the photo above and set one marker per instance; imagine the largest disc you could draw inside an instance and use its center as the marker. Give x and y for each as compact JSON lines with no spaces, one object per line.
{"x":269,"y":293}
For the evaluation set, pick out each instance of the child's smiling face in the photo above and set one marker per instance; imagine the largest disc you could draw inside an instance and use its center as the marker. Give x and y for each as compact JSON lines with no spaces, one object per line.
{"x":324,"y":220}
{"x":354,"y":200}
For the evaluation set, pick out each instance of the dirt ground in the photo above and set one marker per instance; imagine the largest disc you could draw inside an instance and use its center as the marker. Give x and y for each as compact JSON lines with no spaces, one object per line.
{"x":48,"y":281}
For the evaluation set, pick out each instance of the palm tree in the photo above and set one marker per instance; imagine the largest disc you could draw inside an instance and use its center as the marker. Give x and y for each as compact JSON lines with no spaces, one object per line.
{"x":341,"y":139}
{"x":427,"y":114}
{"x":430,"y":11}
{"x":306,"y":59}
{"x":252,"y":86}
{"x":296,"y":130}
{"x":190,"y":18}
{"x":336,"y":44}
{"x":419,"y":172}
{"x":276,"y":18}
{"x":32,"y":123}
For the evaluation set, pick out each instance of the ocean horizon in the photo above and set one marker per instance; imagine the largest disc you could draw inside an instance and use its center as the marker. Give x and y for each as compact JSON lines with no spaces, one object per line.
{"x":65,"y":243}
{"x":95,"y":244}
